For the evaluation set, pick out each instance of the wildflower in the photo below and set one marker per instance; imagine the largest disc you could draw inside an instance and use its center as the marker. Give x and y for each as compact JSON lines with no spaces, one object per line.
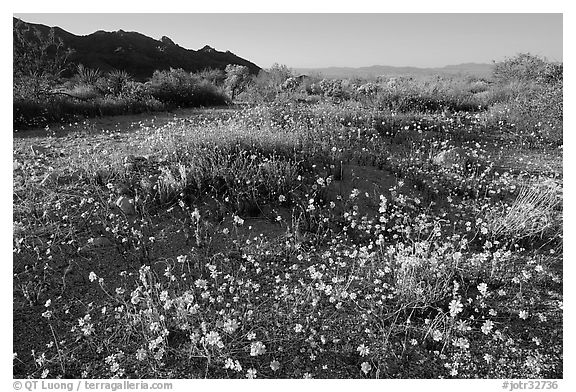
{"x":92,"y":276}
{"x":437,"y":335}
{"x":487,"y":327}
{"x":298,"y":328}
{"x":282,"y":198}
{"x":44,"y":373}
{"x":251,"y":336}
{"x":141,"y":354}
{"x":201,"y":283}
{"x":135,"y":299}
{"x":542,"y":317}
{"x":181,"y":258}
{"x":229,"y":363}
{"x":455,"y":307}
{"x":461,"y":343}
{"x":196,"y":215}
{"x":47,"y":314}
{"x":40,"y":360}
{"x":257,"y":348}
{"x":523,"y":314}
{"x":238,"y":221}
{"x":85,"y":323}
{"x":366,"y":367}
{"x":48,"y":302}
{"x":230,"y":325}
{"x":251,"y":373}
{"x":274,"y":365}
{"x":363,"y":350}
{"x":213,"y":339}
{"x":488,"y":358}
{"x":483,"y":288}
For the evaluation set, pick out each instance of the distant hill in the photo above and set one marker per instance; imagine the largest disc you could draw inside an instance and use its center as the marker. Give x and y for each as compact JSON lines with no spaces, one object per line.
{"x":475,"y":69}
{"x":136,"y":53}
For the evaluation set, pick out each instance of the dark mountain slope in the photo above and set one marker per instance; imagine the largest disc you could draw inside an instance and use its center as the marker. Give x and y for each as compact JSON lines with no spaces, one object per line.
{"x":136,"y":53}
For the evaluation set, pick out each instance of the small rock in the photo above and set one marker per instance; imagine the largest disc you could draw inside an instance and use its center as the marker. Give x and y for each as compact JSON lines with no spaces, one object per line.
{"x":126,"y":205}
{"x":455,"y":158}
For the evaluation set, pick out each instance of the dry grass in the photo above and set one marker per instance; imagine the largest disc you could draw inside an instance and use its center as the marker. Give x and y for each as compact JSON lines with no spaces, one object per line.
{"x":533,"y":212}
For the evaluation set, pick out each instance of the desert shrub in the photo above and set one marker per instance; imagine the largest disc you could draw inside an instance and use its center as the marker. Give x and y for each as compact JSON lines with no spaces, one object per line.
{"x":507,"y":92}
{"x":85,"y":91}
{"x":90,"y":94}
{"x":269,"y":84}
{"x":178,"y":88}
{"x":117,"y":82}
{"x":50,"y":109}
{"x":277,"y":75}
{"x":237,"y":79}
{"x":478,"y":86}
{"x":258,"y":91}
{"x":527,"y":67}
{"x":88,"y":76}
{"x":529,"y":111}
{"x":214,"y":76}
{"x":39,"y":60}
{"x":438,"y":94}
{"x":332,"y":88}
{"x":57,"y":108}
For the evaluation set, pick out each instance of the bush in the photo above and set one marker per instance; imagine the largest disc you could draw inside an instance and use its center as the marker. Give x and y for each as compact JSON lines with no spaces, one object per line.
{"x":117,"y":82}
{"x":57,"y":108}
{"x":214,"y":76}
{"x":528,"y":110}
{"x":179,"y":88}
{"x":237,"y":79}
{"x":407,"y":96}
{"x":529,"y":68}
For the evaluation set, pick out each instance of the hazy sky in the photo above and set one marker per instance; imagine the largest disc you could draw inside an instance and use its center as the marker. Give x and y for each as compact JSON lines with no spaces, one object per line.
{"x":355,"y":40}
